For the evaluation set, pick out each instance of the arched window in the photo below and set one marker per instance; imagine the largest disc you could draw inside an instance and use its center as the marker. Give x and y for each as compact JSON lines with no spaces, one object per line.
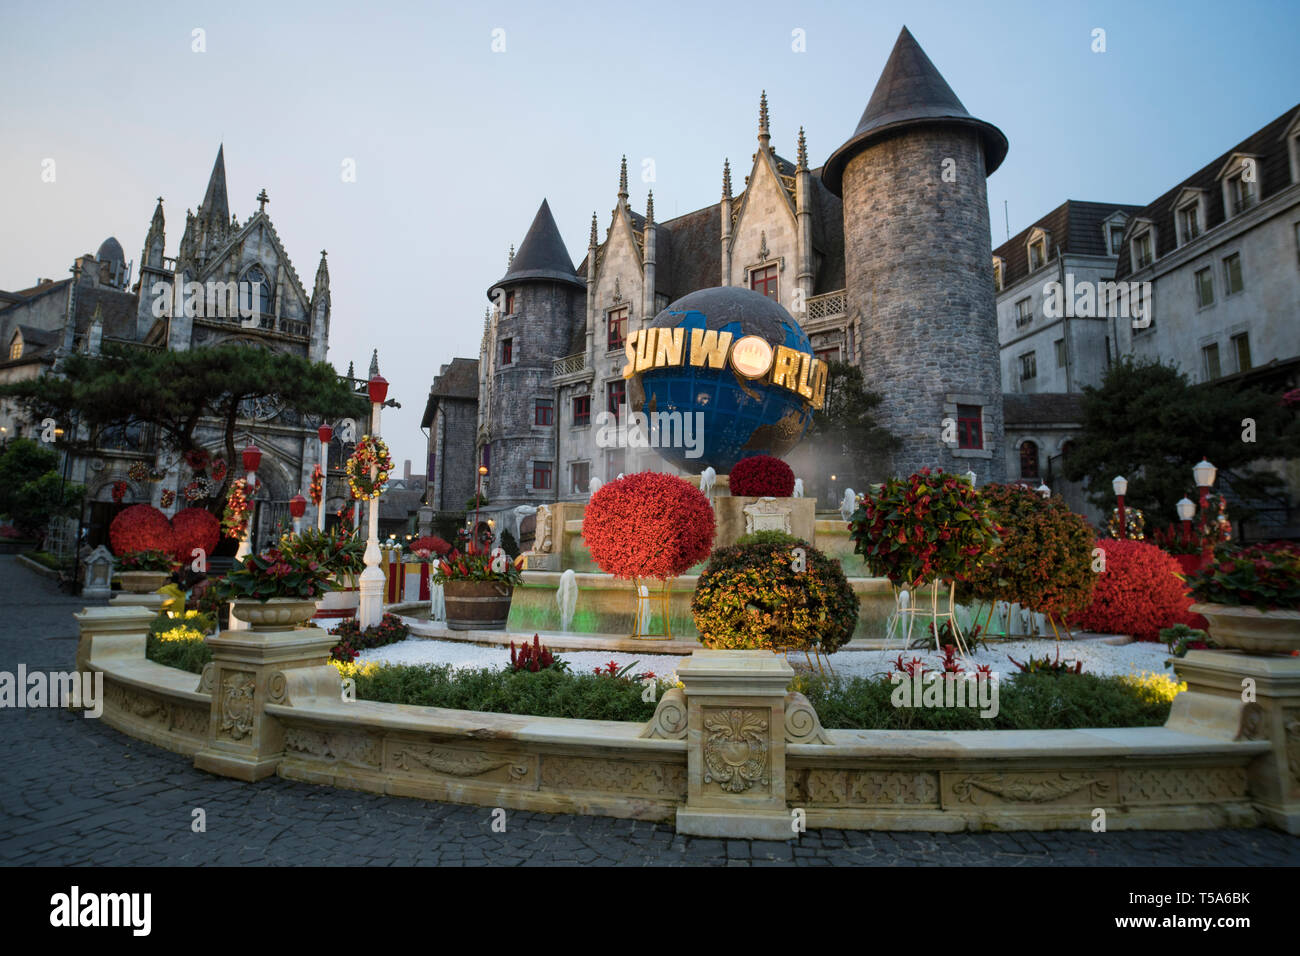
{"x":1028,"y":460}
{"x":262,"y":293}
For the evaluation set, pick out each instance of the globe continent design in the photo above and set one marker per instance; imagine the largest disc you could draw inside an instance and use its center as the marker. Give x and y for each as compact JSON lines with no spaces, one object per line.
{"x":740,"y":417}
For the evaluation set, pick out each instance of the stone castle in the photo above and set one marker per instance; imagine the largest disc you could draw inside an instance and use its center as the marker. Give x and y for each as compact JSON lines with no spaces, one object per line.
{"x":881,"y":255}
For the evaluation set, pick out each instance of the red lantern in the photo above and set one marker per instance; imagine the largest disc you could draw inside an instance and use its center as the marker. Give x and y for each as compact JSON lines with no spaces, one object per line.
{"x":325,"y":433}
{"x":252,"y":457}
{"x":378,"y":388}
{"x":297,"y":506}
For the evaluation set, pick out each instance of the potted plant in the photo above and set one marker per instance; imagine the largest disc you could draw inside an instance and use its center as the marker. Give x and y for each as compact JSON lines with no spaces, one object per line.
{"x":274,"y":590}
{"x":1251,"y":598}
{"x":478,"y":585}
{"x":143,"y":572}
{"x":341,"y":553}
{"x":928,"y":530}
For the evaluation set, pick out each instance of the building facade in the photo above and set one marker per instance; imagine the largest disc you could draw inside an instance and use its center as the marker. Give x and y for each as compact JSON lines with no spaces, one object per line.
{"x":843,"y":247}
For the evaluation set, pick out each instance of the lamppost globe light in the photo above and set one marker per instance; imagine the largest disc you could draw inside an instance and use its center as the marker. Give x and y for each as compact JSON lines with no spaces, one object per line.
{"x":1186,"y":508}
{"x":1204,"y":473}
{"x":482,"y":469}
{"x":252,"y":457}
{"x":297,"y":506}
{"x":378,"y":389}
{"x":325,"y":433}
{"x":1120,"y":485}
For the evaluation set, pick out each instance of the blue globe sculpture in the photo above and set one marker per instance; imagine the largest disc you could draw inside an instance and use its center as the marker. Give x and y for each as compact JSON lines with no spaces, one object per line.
{"x":742,"y":417}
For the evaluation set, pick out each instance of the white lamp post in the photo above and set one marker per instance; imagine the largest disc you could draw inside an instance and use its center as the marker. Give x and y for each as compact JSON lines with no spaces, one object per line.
{"x":252,"y":457}
{"x":371,"y":608}
{"x":1204,"y":474}
{"x":324,"y":433}
{"x":1186,"y":509}
{"x":1120,"y":487}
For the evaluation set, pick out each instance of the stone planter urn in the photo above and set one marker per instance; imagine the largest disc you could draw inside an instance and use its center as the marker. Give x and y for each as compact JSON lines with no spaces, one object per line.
{"x":142,"y":582}
{"x":1251,"y":630}
{"x":275,"y":614}
{"x":477,"y":605}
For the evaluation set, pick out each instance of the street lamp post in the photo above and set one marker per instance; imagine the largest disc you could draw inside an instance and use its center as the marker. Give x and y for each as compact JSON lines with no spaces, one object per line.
{"x":297,"y":508}
{"x":324,"y":433}
{"x":1120,"y":486}
{"x":252,"y":457}
{"x":478,"y":484}
{"x":372,"y":579}
{"x":1203,"y":473}
{"x":1186,"y":508}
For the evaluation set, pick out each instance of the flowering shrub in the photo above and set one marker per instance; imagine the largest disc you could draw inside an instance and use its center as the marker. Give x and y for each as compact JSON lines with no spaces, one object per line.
{"x":534,"y":657}
{"x":772,"y":591}
{"x":648,"y":525}
{"x":926,"y":526}
{"x":146,"y":561}
{"x":1263,"y":576}
{"x":194,"y":528}
{"x":390,"y":630}
{"x":1045,"y":559}
{"x":948,"y":664}
{"x":429,"y":546}
{"x":1139,"y":593}
{"x":762,"y":476}
{"x":273,"y":574}
{"x":140,"y":528}
{"x":1047,"y":665}
{"x":339,"y":551}
{"x":478,"y":563}
{"x":623,"y":674}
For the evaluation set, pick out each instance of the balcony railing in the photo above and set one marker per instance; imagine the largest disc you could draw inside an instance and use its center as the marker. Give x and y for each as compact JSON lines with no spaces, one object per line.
{"x":569,"y":365}
{"x":265,"y":323}
{"x":827,"y":306}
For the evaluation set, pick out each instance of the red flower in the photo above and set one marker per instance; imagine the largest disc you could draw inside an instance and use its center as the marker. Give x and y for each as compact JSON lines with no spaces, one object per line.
{"x":648,"y":525}
{"x":761,"y":476}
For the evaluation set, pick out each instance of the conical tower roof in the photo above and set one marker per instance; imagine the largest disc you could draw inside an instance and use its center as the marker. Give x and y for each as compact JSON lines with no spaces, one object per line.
{"x":910,"y":92}
{"x":215,"y":204}
{"x":542,"y":254}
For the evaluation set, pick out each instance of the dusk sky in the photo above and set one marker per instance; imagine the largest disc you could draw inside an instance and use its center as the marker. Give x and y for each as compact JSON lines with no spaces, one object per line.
{"x":456,"y":145}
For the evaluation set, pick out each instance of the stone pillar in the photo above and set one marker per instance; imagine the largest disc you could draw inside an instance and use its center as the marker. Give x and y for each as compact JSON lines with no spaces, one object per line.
{"x":153,"y":601}
{"x":1217,"y":704}
{"x":735,"y":713}
{"x":112,"y":630}
{"x":249,"y":670}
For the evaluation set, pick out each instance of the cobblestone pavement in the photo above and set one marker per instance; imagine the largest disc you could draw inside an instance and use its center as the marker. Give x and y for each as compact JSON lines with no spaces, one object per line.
{"x":75,"y":791}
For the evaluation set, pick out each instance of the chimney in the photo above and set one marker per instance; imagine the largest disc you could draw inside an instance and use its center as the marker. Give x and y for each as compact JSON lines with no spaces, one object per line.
{"x":406,"y":469}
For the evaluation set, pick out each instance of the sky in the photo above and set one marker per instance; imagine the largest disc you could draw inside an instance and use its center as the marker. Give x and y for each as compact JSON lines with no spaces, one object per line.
{"x":455,"y":143}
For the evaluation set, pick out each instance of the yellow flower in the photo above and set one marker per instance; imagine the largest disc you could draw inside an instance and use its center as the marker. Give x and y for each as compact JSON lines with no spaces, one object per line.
{"x":348,"y":669}
{"x":1155,"y":687}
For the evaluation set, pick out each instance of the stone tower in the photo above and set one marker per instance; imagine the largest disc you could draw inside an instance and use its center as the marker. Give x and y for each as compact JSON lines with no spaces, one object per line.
{"x":539,"y":311}
{"x":919,"y":282}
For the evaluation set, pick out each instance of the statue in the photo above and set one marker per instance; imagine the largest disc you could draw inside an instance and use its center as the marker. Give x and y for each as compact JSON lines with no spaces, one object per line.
{"x":708,"y":478}
{"x":542,"y":533}
{"x":848,"y":505}
{"x":593,"y":486}
{"x":798,"y":488}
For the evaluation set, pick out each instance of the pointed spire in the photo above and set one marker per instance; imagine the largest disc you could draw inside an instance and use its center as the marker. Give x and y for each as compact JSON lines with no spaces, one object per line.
{"x":911,"y":92}
{"x":726,"y":179}
{"x":322,"y":272}
{"x":622,"y":180}
{"x":510,"y":258}
{"x":216,"y":206}
{"x":158,"y":220}
{"x":803,"y":151}
{"x":764,"y":136}
{"x":352,"y":372}
{"x":542,"y":254}
{"x":374,"y":363}
{"x":594,"y":243}
{"x":650,"y":208}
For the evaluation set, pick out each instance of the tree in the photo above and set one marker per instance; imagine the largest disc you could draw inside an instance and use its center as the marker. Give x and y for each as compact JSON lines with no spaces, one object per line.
{"x":31,"y":489}
{"x":845,"y":438}
{"x":1147,"y":422}
{"x":176,"y":392}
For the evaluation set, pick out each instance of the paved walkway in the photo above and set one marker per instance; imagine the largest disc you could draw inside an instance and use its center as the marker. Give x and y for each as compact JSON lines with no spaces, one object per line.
{"x":74,"y":791}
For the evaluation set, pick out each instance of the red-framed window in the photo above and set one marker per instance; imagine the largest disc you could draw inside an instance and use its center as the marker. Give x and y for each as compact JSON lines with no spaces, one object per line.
{"x":544,"y":411}
{"x":970,"y":426}
{"x":764,"y":280}
{"x":510,"y":303}
{"x":582,"y":410}
{"x":542,"y":475}
{"x":616,"y":395}
{"x":617,"y":321}
{"x":507,"y":351}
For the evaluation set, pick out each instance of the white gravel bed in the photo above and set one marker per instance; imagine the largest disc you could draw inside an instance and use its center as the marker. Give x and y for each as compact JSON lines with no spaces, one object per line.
{"x":1098,"y":657}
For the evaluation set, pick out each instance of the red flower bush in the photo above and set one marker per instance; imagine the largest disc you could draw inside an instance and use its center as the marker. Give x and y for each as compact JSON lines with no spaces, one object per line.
{"x":195,"y":528}
{"x":762,"y":476}
{"x":648,"y":525}
{"x":1139,"y":593}
{"x":140,"y":528}
{"x":431,"y":543}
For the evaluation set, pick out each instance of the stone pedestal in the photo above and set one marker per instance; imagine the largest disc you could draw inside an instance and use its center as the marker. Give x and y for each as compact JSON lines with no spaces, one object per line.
{"x":151,"y":601}
{"x":741,"y":516}
{"x":249,"y":670}
{"x":1218,"y":703}
{"x":118,"y":630}
{"x":735,"y":714}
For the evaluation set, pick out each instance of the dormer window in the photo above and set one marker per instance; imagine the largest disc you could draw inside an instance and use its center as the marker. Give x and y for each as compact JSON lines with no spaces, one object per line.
{"x":16,"y":347}
{"x":1037,"y":254}
{"x":1240,"y":177}
{"x":997,"y":274}
{"x":1112,"y":229}
{"x":1189,"y":223}
{"x":1116,"y":239}
{"x":1241,"y":192}
{"x":1143,"y":249}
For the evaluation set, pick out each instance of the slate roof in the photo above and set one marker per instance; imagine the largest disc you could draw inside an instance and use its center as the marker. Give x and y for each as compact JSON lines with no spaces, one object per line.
{"x":456,"y":380}
{"x":910,"y":92}
{"x":110,"y":250}
{"x":1075,"y":227}
{"x":1274,"y":176}
{"x":118,"y":310}
{"x":542,"y":254}
{"x":1047,"y":408}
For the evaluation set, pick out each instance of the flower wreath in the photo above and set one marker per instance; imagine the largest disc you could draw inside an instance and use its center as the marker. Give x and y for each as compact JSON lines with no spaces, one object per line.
{"x":193,"y":492}
{"x":168,"y":498}
{"x":139,"y":471}
{"x":197,"y":459}
{"x":217,"y":470}
{"x":317,"y":489}
{"x":369,"y":451}
{"x":239,"y":505}
{"x":119,"y":491}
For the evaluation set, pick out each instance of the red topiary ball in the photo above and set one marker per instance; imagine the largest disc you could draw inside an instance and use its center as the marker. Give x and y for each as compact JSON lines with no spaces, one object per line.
{"x":195,"y":528}
{"x":140,"y":528}
{"x":762,"y":476}
{"x":648,"y":525}
{"x":1139,"y":592}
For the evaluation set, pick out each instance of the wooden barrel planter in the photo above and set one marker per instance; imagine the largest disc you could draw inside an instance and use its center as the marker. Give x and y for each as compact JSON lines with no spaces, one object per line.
{"x":477,"y":605}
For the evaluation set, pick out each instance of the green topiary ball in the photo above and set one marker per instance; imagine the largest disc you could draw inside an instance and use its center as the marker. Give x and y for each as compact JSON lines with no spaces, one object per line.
{"x":772,"y":591}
